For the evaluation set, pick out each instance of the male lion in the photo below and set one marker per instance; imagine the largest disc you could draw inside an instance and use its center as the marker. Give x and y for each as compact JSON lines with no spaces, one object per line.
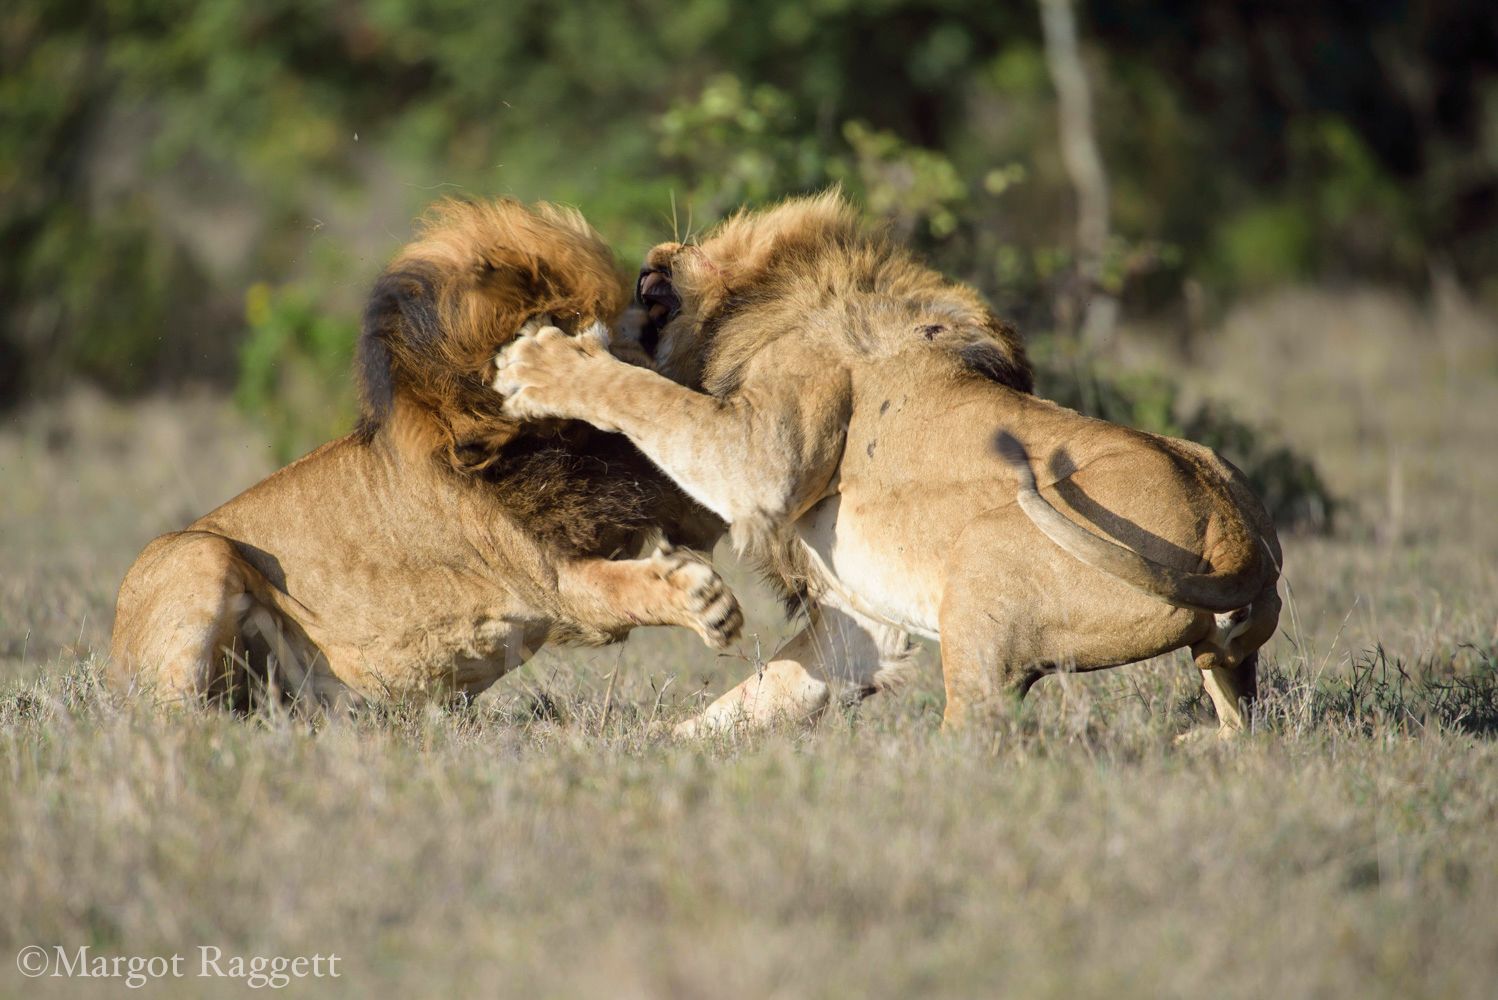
{"x":442,"y":542}
{"x":865,"y":428}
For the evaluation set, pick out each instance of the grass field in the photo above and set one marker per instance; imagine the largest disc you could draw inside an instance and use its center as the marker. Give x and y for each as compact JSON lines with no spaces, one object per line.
{"x":539,"y":845}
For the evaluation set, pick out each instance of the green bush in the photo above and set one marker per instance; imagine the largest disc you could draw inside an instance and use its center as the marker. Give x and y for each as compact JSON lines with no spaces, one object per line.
{"x":1264,"y":245}
{"x":735,"y":145}
{"x":126,"y":128}
{"x":294,"y":369}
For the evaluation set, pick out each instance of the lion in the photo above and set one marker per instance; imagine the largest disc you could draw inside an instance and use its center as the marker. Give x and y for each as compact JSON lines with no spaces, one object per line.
{"x":866,"y":428}
{"x":440,"y":544}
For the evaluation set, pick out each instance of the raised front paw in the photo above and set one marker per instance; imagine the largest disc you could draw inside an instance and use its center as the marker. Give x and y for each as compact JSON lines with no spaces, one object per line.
{"x":545,"y":373}
{"x":702,"y":598}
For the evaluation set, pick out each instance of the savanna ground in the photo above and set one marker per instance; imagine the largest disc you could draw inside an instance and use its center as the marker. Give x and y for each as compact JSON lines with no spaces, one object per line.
{"x":542,"y":843}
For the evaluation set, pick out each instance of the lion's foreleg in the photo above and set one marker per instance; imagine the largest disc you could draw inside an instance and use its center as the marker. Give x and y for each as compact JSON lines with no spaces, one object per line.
{"x":761,"y":455}
{"x":670,"y":587}
{"x":290,"y":673}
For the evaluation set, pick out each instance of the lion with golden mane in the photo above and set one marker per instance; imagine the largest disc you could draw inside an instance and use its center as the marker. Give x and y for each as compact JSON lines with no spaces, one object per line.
{"x":867,"y":430}
{"x":441,"y":543}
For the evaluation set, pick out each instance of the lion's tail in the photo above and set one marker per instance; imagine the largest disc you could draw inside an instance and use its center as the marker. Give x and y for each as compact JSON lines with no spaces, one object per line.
{"x":1226,"y":590}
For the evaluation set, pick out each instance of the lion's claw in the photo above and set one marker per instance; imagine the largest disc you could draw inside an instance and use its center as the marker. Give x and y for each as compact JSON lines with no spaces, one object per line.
{"x":538,"y":372}
{"x":707,"y":605}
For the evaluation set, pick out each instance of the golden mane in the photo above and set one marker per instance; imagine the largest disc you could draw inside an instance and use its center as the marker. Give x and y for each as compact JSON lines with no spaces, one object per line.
{"x":813,"y":261}
{"x":450,"y":299}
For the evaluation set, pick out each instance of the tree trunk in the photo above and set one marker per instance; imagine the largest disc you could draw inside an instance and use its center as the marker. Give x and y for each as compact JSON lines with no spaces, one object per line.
{"x":1084,"y":165}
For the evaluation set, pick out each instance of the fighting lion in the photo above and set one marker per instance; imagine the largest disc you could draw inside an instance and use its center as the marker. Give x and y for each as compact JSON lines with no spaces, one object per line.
{"x":868,"y":431}
{"x":442,"y":542}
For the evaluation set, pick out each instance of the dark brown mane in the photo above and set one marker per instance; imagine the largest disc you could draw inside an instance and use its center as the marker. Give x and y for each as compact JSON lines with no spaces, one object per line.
{"x":594,"y":499}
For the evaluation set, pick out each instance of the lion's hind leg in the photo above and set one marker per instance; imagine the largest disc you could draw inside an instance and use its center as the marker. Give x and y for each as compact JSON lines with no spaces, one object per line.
{"x":982,"y":683}
{"x":1233,"y":687}
{"x":1229,"y":657}
{"x":179,"y":624}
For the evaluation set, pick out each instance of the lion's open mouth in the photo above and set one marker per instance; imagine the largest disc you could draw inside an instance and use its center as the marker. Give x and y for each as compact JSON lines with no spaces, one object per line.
{"x":661,"y":304}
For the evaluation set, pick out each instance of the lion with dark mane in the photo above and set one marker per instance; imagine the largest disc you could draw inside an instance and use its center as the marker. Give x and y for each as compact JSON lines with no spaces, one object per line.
{"x":440,"y":544}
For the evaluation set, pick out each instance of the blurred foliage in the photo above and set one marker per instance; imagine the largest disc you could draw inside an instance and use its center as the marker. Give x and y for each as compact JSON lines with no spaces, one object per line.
{"x":158,"y":157}
{"x":907,"y":185}
{"x":294,"y":369}
{"x":734,"y":145}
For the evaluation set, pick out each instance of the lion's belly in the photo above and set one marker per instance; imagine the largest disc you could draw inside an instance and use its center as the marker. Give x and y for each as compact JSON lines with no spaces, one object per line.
{"x":862,"y":569}
{"x":445,"y":658}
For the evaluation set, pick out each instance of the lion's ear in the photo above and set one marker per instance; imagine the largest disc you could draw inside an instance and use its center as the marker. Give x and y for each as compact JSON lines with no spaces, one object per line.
{"x":401,"y":318}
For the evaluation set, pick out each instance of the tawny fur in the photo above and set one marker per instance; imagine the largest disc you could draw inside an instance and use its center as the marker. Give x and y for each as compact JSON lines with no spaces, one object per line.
{"x":809,"y":268}
{"x":843,"y":409}
{"x":443,"y":542}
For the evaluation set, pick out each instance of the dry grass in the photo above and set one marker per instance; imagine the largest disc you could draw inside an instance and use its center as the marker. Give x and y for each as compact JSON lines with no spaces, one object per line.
{"x":531,"y":846}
